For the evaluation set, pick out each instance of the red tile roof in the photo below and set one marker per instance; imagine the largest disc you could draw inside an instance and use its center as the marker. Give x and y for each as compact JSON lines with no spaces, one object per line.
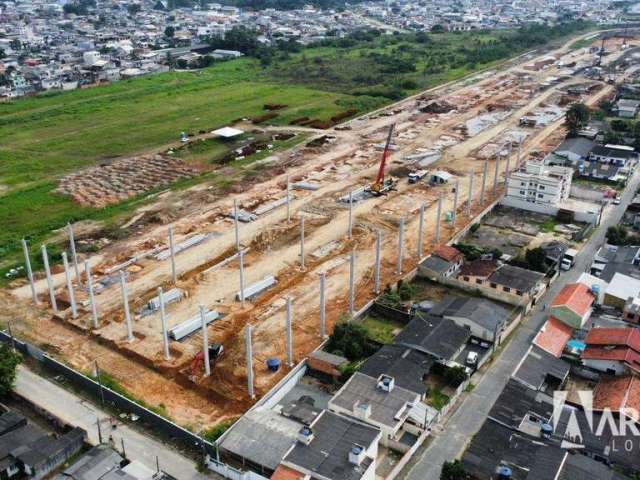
{"x":629,"y":337}
{"x":479,"y":268}
{"x":553,"y":336}
{"x":575,"y":296}
{"x":617,"y":393}
{"x":448,"y":253}
{"x":617,"y":354}
{"x":286,"y":473}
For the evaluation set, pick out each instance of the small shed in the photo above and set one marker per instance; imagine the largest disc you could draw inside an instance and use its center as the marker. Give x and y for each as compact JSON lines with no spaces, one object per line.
{"x":326,"y":364}
{"x":227,"y":132}
{"x":441,"y":177}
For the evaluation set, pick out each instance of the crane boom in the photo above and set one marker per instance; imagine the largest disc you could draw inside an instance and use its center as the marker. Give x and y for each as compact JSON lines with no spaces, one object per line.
{"x":385,"y":155}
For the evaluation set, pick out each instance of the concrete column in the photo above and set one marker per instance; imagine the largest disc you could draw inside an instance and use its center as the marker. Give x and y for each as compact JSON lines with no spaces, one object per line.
{"x":470,"y":198}
{"x":438,"y":214}
{"x":323,"y":326}
{"x":455,"y":204}
{"x":400,"y":246}
{"x":519,"y":153}
{"x":163,"y":320}
{"x":242,"y":278}
{"x":484,"y":182}
{"x":249,"y":353}
{"x":52,"y":295}
{"x":289,"y":332}
{"x":288,"y":199}
{"x":74,"y":255}
{"x":302,"y":242}
{"x":496,"y":172}
{"x":205,"y":341}
{"x":350,"y":214}
{"x":352,"y":287}
{"x":172,"y":248}
{"x":27,"y":264}
{"x":236,"y":223}
{"x":125,"y":303}
{"x":507,"y":166}
{"x":67,"y":276}
{"x":92,"y":298}
{"x":420,"y":232}
{"x":376,"y":287}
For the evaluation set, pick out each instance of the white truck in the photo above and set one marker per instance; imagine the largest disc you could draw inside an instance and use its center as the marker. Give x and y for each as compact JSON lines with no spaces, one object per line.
{"x":415,"y":177}
{"x":569,"y":259}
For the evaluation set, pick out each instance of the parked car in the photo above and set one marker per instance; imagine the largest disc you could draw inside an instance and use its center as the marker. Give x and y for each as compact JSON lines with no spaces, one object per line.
{"x":472,"y":358}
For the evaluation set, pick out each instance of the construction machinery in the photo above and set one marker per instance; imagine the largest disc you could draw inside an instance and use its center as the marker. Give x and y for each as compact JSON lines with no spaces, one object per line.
{"x":383,"y":186}
{"x":197,"y":364}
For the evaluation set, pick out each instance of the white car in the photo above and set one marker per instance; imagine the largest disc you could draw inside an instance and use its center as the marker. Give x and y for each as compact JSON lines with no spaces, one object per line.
{"x":616,"y":201}
{"x":472,"y":358}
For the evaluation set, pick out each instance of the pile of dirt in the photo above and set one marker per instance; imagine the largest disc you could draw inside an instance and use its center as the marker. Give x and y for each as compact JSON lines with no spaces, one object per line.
{"x":263,"y":118}
{"x":319,"y":142}
{"x":437,"y":107}
{"x":274,"y":106}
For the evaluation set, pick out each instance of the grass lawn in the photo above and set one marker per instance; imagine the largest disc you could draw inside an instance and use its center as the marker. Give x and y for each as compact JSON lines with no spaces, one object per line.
{"x":381,"y":330}
{"x":549,"y":225}
{"x":437,"y":399}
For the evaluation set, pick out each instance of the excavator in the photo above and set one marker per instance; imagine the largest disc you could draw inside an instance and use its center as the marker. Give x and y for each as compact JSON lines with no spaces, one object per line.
{"x":383,"y":186}
{"x":197,"y":364}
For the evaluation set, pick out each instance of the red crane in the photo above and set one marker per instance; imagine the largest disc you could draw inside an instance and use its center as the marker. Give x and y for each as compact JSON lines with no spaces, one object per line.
{"x":381,"y":186}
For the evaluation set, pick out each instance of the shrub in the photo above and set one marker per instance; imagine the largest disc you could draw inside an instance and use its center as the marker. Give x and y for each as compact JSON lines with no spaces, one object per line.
{"x":351,"y":340}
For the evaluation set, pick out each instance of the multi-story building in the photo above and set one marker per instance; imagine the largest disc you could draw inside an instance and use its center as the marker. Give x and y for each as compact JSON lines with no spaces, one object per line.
{"x":539,"y":183}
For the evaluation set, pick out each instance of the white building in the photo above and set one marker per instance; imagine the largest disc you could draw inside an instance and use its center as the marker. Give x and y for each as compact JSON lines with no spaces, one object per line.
{"x":541,"y":184}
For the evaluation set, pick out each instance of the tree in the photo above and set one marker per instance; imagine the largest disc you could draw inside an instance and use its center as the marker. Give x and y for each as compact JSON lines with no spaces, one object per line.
{"x":133,"y":8}
{"x":169,"y":31}
{"x":577,"y":118}
{"x":437,"y":29}
{"x":351,"y":341}
{"x":2,"y":54}
{"x":453,"y":471}
{"x":536,"y":259}
{"x":617,"y":235}
{"x":9,"y":361}
{"x":454,"y":376}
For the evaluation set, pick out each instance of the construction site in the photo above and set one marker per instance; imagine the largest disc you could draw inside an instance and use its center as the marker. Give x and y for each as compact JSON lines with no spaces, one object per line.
{"x":327,"y":227}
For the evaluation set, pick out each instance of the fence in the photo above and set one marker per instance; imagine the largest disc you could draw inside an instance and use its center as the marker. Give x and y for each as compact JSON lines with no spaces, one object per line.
{"x":392,"y":313}
{"x":175,"y":432}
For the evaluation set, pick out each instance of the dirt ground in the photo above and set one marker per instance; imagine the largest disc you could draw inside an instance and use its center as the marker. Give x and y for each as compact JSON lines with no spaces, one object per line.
{"x":483,"y":125}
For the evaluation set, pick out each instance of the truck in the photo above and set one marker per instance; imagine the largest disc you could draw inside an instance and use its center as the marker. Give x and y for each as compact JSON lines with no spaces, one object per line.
{"x":415,"y":177}
{"x":569,"y":259}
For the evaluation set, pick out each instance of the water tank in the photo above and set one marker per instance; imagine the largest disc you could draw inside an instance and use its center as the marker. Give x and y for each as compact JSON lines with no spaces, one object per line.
{"x":546,"y":430}
{"x":273,"y":364}
{"x":595,"y":289}
{"x":504,"y":473}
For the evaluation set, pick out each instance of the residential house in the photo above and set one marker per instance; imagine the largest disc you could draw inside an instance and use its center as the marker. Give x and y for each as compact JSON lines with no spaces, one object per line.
{"x":477,"y":272}
{"x":542,"y":371}
{"x":612,"y":350}
{"x":39,"y":458}
{"x":439,"y":337}
{"x":575,"y":149}
{"x":445,"y":261}
{"x":516,"y":281}
{"x":326,"y":364}
{"x":626,"y":108}
{"x":378,"y":402}
{"x":631,"y":310}
{"x":553,"y":336}
{"x":573,"y":305}
{"x":408,"y":367}
{"x":620,"y":289}
{"x":486,"y":320}
{"x":613,"y":154}
{"x":333,"y":447}
{"x":620,"y":395}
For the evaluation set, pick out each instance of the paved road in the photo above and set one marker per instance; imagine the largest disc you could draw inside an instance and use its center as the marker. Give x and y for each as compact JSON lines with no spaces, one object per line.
{"x":472,"y":412}
{"x":78,"y":412}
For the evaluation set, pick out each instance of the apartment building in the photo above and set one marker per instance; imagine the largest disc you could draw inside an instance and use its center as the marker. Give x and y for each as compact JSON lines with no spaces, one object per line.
{"x":541,"y":184}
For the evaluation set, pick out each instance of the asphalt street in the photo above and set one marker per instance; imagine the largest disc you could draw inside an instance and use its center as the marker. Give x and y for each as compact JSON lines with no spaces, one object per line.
{"x":79,"y":412}
{"x":449,"y":442}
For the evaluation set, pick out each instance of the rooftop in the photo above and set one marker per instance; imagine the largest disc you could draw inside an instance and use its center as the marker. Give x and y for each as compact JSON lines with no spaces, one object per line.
{"x":479,"y":268}
{"x":540,"y":367}
{"x":327,"y":455}
{"x":520,"y":279}
{"x":553,"y":336}
{"x":387,"y":407}
{"x":407,"y":366}
{"x":447,"y":252}
{"x":436,"y":336}
{"x":485,"y":313}
{"x":575,"y":296}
